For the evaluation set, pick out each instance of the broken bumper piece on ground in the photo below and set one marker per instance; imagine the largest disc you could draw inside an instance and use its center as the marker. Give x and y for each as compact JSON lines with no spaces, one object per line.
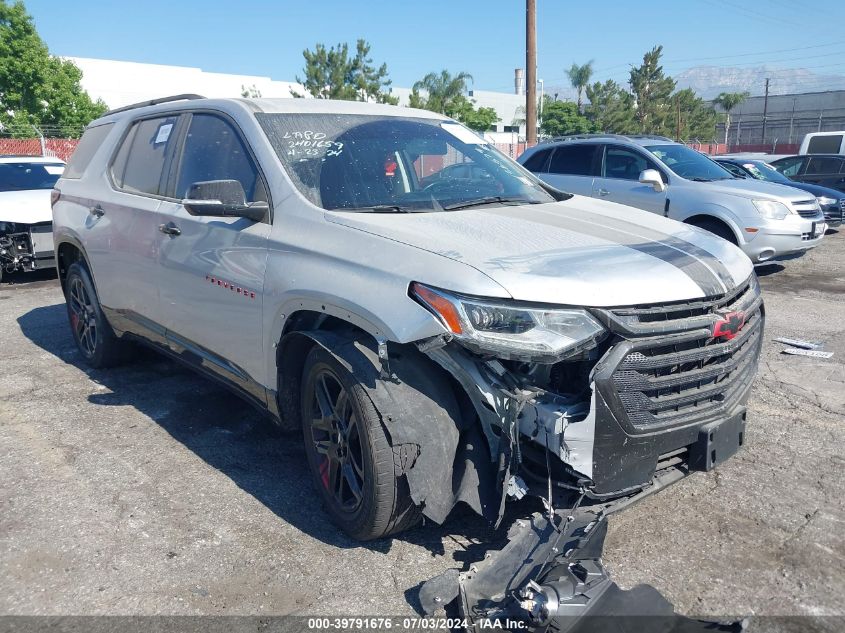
{"x":549,"y":576}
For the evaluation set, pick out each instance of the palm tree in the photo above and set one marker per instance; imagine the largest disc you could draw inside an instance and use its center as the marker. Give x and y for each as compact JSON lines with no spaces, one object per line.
{"x":442,"y":88}
{"x":579,"y":77}
{"x":728,"y":101}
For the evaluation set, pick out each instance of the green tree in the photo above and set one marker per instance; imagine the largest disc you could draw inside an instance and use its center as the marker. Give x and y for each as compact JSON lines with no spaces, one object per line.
{"x":728,"y":101}
{"x":579,"y":77}
{"x":694,"y":117}
{"x":652,"y":91}
{"x":563,"y":117}
{"x":38,"y":90}
{"x":333,"y":74}
{"x":441,"y":89}
{"x":611,"y":108}
{"x":464,"y":110}
{"x":250,"y":92}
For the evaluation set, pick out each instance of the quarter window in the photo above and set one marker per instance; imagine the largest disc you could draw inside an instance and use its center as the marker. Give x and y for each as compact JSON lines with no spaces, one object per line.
{"x":537,"y":162}
{"x":85,"y":150}
{"x":214,"y":151}
{"x":139,"y":164}
{"x":576,"y":160}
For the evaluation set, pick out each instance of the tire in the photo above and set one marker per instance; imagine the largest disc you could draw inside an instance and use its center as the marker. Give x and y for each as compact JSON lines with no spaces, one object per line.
{"x":92,"y":333}
{"x":349,"y":452}
{"x":717,"y":228}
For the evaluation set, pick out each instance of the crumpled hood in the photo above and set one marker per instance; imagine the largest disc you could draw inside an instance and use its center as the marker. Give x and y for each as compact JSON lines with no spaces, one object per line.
{"x":581,"y":251}
{"x":757,"y":190}
{"x":26,"y":207}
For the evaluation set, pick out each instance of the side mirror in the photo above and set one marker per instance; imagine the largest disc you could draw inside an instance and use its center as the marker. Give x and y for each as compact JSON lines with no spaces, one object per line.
{"x":652,"y":177}
{"x":223,"y":199}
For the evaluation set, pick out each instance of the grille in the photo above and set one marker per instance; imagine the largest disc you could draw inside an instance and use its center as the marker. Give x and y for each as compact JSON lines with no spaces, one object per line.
{"x":806,"y":208}
{"x":667,"y":380}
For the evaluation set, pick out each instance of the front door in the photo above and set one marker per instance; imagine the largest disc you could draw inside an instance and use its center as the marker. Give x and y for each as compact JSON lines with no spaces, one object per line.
{"x":211,"y":269}
{"x":620,"y":180}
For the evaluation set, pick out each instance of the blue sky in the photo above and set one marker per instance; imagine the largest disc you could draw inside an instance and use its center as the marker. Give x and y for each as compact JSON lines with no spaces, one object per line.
{"x":482,"y":37}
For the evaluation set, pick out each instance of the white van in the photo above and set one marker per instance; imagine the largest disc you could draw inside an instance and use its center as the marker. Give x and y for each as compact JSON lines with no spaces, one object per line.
{"x":823,"y":143}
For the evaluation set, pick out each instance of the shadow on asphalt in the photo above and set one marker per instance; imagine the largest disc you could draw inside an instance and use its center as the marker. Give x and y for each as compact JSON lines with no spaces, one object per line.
{"x":764,"y":270}
{"x":242,"y":443}
{"x":24,"y":279}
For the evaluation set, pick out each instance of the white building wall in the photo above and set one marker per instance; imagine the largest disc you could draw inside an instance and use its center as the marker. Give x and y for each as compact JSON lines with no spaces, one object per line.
{"x":120,"y":83}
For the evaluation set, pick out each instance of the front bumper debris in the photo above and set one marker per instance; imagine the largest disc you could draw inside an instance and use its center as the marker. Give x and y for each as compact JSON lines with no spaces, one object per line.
{"x":550,"y":576}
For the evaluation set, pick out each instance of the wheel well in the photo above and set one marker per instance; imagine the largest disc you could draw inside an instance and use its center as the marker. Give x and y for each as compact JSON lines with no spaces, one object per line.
{"x":703,"y":219}
{"x":292,"y":350}
{"x":66,"y":255}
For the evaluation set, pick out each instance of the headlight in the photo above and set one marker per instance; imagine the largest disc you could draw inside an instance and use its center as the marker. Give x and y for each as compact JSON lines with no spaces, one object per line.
{"x":771,"y":209}
{"x":511,"y":331}
{"x":824,"y":201}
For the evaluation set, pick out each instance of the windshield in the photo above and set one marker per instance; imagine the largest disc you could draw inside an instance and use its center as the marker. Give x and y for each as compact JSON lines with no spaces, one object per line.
{"x":392,"y":164}
{"x":23,"y":176}
{"x":763,"y":171}
{"x":688,"y":163}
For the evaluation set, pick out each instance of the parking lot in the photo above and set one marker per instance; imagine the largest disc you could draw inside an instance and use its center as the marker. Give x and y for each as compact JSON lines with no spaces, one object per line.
{"x":146,"y":489}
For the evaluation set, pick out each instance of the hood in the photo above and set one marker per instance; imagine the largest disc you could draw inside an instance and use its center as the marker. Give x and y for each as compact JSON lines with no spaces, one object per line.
{"x":26,"y":207}
{"x":757,"y":190}
{"x":818,"y":191}
{"x":579,"y":252}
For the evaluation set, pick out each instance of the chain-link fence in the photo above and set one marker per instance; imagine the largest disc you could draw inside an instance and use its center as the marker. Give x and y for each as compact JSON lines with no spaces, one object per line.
{"x":53,"y":147}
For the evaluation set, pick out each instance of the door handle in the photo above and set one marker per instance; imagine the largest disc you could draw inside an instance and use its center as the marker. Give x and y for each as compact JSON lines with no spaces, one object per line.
{"x":604,"y":192}
{"x":170,"y":229}
{"x":97,"y":211}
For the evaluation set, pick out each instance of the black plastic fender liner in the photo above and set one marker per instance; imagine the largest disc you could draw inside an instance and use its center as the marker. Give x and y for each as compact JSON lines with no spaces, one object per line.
{"x":443,"y":456}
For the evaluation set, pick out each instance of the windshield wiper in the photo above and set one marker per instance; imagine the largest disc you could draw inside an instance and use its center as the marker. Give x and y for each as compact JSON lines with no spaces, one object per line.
{"x":488,"y":200}
{"x":376,"y":208}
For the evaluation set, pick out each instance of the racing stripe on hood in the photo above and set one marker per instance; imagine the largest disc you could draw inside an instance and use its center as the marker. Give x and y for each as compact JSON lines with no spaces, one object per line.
{"x":671,"y":250}
{"x":706,"y":257}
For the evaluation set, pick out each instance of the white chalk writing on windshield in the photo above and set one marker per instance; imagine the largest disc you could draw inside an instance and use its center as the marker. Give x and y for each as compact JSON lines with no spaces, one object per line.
{"x":310,"y":143}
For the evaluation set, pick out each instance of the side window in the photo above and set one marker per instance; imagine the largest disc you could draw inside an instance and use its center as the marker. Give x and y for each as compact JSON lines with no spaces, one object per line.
{"x":85,"y":150}
{"x":828,"y":144}
{"x":139,"y":164}
{"x":576,"y":160}
{"x":823,"y":166}
{"x":214,"y":151}
{"x":623,"y":163}
{"x":537,"y":162}
{"x":789,"y":167}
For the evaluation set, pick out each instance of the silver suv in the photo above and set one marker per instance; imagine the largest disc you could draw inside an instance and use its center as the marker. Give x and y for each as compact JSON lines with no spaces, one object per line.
{"x":654,"y":173}
{"x":439,"y":335}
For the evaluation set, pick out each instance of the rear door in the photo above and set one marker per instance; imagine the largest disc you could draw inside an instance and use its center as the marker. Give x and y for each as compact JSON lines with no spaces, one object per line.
{"x":828,"y":171}
{"x":211,"y":269}
{"x":121,"y":230}
{"x":573,"y":167}
{"x":619,"y":179}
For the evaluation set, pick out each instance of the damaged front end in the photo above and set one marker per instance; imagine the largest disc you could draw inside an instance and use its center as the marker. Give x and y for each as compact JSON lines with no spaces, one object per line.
{"x":638,"y":398}
{"x":25,"y":247}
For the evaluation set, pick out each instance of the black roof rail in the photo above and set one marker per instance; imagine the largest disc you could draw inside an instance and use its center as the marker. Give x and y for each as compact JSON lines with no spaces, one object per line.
{"x":142,"y":104}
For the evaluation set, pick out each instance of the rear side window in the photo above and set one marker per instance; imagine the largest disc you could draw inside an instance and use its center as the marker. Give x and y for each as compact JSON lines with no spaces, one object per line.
{"x":139,"y":164}
{"x":85,"y":150}
{"x":576,"y":160}
{"x":213,"y":150}
{"x":823,"y":166}
{"x":537,"y":161}
{"x":828,"y":144}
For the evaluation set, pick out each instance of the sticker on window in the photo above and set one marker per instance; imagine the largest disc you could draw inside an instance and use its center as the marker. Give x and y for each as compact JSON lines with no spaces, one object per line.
{"x":54,"y":170}
{"x":463,"y":134}
{"x":163,"y":133}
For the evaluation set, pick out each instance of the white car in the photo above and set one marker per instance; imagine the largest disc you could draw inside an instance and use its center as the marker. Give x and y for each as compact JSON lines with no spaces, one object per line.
{"x":26,"y":220}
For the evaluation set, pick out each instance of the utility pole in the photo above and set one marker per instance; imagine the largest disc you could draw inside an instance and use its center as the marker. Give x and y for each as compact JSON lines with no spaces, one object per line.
{"x":765,"y":110}
{"x":678,"y":124}
{"x":531,"y":71}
